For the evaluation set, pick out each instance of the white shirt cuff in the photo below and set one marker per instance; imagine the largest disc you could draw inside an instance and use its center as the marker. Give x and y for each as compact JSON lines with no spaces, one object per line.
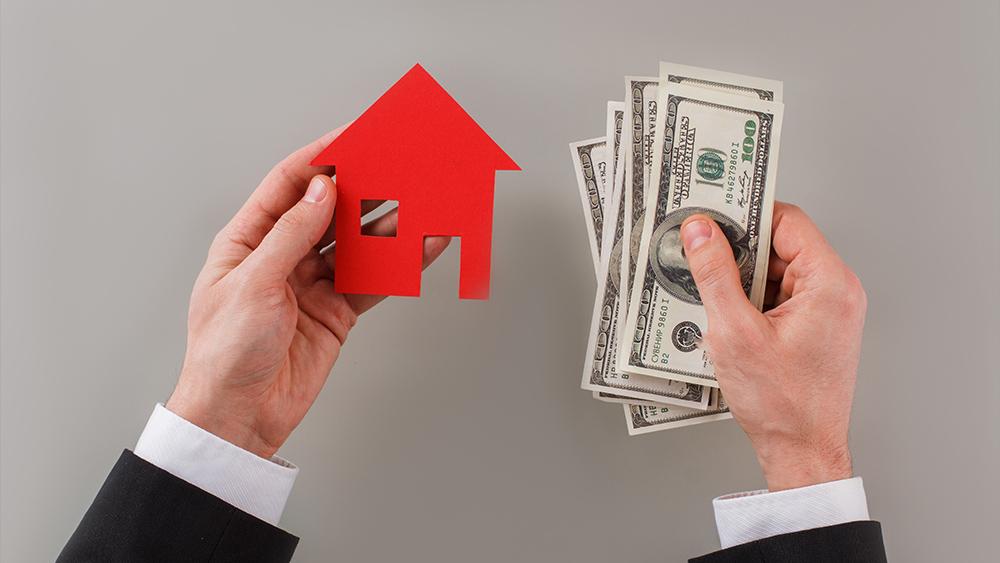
{"x":247,"y":481}
{"x":747,"y":517}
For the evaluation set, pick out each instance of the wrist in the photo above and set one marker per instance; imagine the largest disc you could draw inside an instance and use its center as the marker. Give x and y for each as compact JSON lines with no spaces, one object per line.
{"x":221,"y":418}
{"x":791,"y":468}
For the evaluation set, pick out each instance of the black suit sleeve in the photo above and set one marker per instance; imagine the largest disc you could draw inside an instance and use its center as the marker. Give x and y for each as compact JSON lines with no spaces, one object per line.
{"x":142,"y":513}
{"x":853,"y":542}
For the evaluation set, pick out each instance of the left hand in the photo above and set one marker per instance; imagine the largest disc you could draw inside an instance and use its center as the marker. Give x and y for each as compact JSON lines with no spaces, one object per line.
{"x":265,"y":325}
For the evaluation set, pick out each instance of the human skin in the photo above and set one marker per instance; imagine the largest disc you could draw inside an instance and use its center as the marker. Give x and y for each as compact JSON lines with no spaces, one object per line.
{"x":788,"y":373}
{"x":265,"y":325}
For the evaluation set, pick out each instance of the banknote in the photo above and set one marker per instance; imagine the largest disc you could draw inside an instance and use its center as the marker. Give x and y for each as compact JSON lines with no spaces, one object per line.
{"x":613,"y":133}
{"x":718,"y":80}
{"x":635,"y":171}
{"x":716,"y":154}
{"x":590,"y":162}
{"x":597,"y":159}
{"x":641,"y":89}
{"x":643,"y":419}
{"x":640,"y":117}
{"x":600,"y":373}
{"x":620,"y":400}
{"x":615,"y":117}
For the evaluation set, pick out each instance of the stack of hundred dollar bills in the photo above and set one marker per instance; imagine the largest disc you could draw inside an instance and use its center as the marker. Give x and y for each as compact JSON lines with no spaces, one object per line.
{"x":690,"y":140}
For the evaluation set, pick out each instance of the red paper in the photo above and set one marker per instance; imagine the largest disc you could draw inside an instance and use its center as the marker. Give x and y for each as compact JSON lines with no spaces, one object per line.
{"x":417,"y":146}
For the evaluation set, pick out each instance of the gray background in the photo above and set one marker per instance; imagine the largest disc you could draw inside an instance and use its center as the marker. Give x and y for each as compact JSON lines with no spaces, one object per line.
{"x":454,"y":430}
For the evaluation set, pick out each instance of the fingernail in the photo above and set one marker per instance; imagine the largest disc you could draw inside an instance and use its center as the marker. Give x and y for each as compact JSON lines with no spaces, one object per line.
{"x":316,"y":192}
{"x":696,"y":233}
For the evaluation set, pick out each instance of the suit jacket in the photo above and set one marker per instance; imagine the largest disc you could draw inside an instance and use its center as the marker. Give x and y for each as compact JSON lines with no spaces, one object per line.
{"x":853,"y":542}
{"x":144,"y":514}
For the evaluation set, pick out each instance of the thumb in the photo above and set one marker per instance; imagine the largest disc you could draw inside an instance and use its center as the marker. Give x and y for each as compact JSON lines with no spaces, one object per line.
{"x":297,"y":231}
{"x":714,"y":269}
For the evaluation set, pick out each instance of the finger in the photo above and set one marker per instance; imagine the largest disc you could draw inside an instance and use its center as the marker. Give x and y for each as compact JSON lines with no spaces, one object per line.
{"x":433,"y":247}
{"x":776,"y":267}
{"x":713,"y":267}
{"x":793,"y":232}
{"x":367,"y":206}
{"x":783,"y":294}
{"x":809,"y":260}
{"x":311,"y":269}
{"x":771,"y":289}
{"x":775,"y":293}
{"x":278,"y":192}
{"x":384,"y":226}
{"x":322,"y":304}
{"x":296,"y":232}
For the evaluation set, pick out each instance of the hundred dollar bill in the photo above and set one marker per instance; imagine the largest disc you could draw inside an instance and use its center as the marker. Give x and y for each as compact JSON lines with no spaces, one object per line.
{"x":642,"y":97}
{"x":643,"y":419}
{"x":615,"y":120}
{"x":640,"y":89}
{"x":640,"y":117}
{"x":728,"y":82}
{"x":600,"y":373}
{"x":716,"y":155}
{"x":620,"y":400}
{"x":613,"y":133}
{"x":590,"y":162}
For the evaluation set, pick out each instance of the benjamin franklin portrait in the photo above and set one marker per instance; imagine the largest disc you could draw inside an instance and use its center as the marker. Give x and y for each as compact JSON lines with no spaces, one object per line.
{"x":669,"y":264}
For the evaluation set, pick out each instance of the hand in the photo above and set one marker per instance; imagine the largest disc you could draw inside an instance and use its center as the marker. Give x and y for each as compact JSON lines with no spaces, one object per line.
{"x":265,"y":324}
{"x":787,"y":374}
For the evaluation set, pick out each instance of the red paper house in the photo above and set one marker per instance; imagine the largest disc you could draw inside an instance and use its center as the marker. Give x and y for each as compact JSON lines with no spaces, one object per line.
{"x":417,"y":146}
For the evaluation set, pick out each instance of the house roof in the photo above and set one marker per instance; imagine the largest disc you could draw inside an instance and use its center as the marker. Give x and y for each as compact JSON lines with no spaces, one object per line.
{"x":416,"y":118}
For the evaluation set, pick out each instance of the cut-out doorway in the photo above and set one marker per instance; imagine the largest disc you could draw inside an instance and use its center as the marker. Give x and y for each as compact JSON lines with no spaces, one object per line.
{"x":441,"y":279}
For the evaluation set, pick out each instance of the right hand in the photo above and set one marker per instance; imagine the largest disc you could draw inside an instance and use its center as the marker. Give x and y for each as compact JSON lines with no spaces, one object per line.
{"x":266,"y":325}
{"x":787,"y":374}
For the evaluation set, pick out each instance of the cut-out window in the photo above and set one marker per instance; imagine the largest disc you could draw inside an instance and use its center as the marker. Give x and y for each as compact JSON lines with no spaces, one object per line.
{"x":380,"y":223}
